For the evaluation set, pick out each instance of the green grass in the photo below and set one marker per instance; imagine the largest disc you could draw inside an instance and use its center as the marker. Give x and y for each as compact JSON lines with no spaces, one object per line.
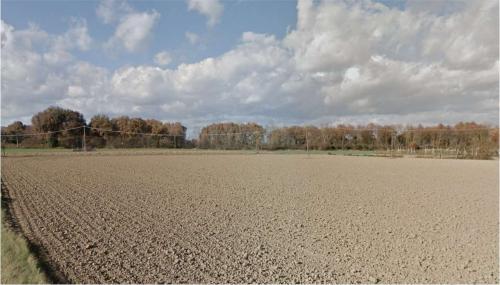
{"x":353,"y":152}
{"x":18,"y":264}
{"x":52,"y":151}
{"x":13,"y":150}
{"x":330,"y":152}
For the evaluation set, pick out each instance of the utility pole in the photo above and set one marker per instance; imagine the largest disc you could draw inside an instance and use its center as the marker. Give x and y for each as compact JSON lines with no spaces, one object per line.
{"x":307,"y":142}
{"x":84,"y":145}
{"x":257,"y":139}
{"x":392,"y":144}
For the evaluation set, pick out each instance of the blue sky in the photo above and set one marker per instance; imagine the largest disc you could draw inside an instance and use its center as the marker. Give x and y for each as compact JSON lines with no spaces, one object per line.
{"x":272,"y":17}
{"x":270,"y":62}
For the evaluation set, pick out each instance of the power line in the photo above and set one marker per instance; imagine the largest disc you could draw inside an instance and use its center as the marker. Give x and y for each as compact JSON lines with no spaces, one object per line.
{"x":46,"y":133}
{"x":355,"y":129}
{"x":423,"y":129}
{"x":133,"y":133}
{"x":225,"y":134}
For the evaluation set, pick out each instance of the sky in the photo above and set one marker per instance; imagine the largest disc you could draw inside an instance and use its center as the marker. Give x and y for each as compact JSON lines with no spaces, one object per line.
{"x":271,"y":62}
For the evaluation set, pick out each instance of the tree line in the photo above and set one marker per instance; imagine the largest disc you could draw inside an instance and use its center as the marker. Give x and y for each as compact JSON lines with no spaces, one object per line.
{"x":101,"y":131}
{"x":466,"y":139}
{"x":463,"y":139}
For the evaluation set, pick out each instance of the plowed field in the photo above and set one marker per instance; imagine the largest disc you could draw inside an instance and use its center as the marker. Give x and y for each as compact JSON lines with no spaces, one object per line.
{"x":258,"y":218}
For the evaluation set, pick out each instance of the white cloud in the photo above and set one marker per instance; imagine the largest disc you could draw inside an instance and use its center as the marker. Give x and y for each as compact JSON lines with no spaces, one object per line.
{"x":112,"y":10}
{"x":38,"y":70}
{"x":192,"y":38}
{"x":57,"y":57}
{"x":59,"y":47}
{"x":344,"y":63}
{"x":472,"y":46}
{"x":78,"y":33}
{"x":25,"y":39}
{"x":141,"y":84}
{"x":176,"y":107}
{"x":75,"y":91}
{"x":212,"y":9}
{"x":134,"y":30}
{"x":163,"y":58}
{"x":7,"y":31}
{"x":77,"y":36}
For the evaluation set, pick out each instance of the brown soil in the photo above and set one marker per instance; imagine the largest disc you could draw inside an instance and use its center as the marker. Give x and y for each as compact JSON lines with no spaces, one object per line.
{"x":259,"y":218}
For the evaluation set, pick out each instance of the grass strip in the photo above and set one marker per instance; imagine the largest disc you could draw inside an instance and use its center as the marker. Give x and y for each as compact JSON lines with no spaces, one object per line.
{"x":18,"y":265}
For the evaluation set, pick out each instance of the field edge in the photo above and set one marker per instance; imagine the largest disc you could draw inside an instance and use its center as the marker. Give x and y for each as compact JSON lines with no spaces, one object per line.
{"x":37,"y":260}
